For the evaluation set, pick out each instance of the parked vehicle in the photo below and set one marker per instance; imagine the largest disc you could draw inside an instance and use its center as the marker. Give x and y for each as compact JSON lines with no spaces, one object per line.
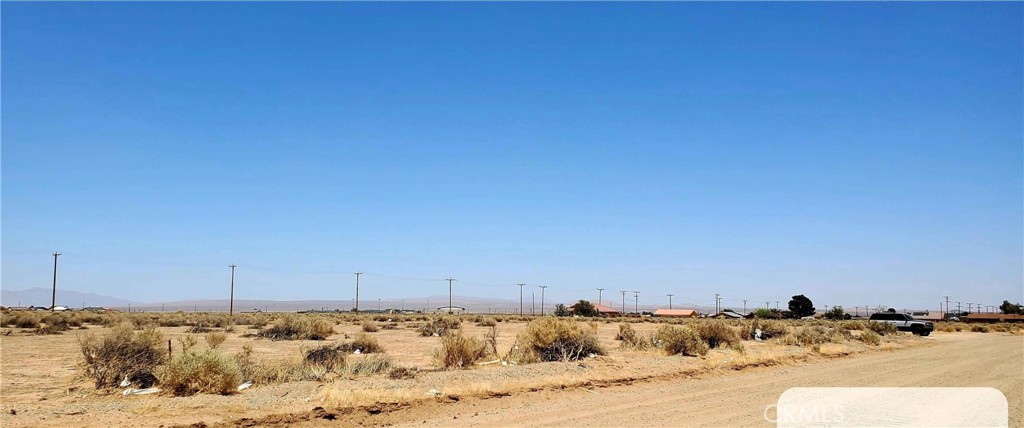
{"x":904,"y":322}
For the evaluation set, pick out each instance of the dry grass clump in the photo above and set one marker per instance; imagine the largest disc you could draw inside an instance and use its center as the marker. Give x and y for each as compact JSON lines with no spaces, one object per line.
{"x":459,"y":351}
{"x":366,"y":344}
{"x":870,"y":337}
{"x":370,"y":326}
{"x":631,"y":338}
{"x":882,"y":328}
{"x":979,"y":329}
{"x":210,"y":372}
{"x":398,"y":372}
{"x":215,"y":339}
{"x":292,"y":327}
{"x":369,"y":365}
{"x":439,"y":326}
{"x":852,"y":325}
{"x":263,"y":372}
{"x":814,"y":335}
{"x":487,"y":322}
{"x":680,"y":340}
{"x":25,"y":319}
{"x":950,"y":327}
{"x":717,"y":334}
{"x":327,"y":356}
{"x":123,"y":352}
{"x":552,"y":339}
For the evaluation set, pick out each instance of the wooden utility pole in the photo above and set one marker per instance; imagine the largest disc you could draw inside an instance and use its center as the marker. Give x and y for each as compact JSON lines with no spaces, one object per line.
{"x":636,"y":302}
{"x":542,"y":287}
{"x":520,"y":298}
{"x":599,"y":290}
{"x":623,"y":302}
{"x":450,"y":294}
{"x":53,"y":299}
{"x":231,"y":304}
{"x":670,"y":301}
{"x":357,"y":291}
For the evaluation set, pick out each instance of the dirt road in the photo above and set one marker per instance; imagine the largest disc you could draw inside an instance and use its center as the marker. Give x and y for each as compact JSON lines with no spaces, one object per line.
{"x":735,"y":399}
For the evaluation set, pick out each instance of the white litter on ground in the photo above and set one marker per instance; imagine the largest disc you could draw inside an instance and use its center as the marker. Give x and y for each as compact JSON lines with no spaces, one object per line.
{"x":244,"y":386}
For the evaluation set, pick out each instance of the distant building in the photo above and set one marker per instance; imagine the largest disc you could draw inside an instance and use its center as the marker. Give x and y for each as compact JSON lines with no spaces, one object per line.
{"x":727,"y":314}
{"x":605,"y":311}
{"x":993,"y":318}
{"x":676,"y":313}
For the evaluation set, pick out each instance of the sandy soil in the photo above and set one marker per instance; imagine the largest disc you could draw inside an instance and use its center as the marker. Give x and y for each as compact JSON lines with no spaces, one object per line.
{"x":41,"y":385}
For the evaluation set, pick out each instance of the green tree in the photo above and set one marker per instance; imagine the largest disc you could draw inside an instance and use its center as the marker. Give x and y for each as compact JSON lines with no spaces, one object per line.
{"x":1010,"y":308}
{"x":801,"y":306}
{"x":561,"y":310}
{"x":837,"y":313}
{"x":764,"y":313}
{"x":584,"y":308}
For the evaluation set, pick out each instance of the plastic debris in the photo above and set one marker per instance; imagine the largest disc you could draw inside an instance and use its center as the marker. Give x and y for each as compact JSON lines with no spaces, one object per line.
{"x":143,"y":391}
{"x":434,"y":393}
{"x":591,"y":355}
{"x":757,"y":334}
{"x":244,"y":386}
{"x":357,"y":352}
{"x":125,"y":382}
{"x":489,"y":362}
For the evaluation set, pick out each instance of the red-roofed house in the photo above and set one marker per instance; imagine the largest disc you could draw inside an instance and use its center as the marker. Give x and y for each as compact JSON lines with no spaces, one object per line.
{"x":676,"y":313}
{"x":993,"y":318}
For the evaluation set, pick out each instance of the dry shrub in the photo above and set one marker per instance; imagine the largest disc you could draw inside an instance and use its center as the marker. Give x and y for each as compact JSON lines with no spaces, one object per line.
{"x":491,"y":340}
{"x":123,"y":352}
{"x":390,"y":326}
{"x":882,"y":328}
{"x":26,"y":319}
{"x":370,"y":326}
{"x":214,"y":340}
{"x":366,"y":344}
{"x":368,"y":365}
{"x":210,"y":372}
{"x":52,"y":329}
{"x":769,"y":329}
{"x":552,"y":339}
{"x":198,"y":329}
{"x":459,"y":351}
{"x":439,"y":326}
{"x":631,"y":338}
{"x":262,"y":372}
{"x":979,"y":329}
{"x":327,"y":356}
{"x":487,"y":322}
{"x":851,"y":325}
{"x":870,"y":337}
{"x":812,"y":336}
{"x":717,"y":334}
{"x":293,"y":327}
{"x":398,"y":372}
{"x":680,"y":340}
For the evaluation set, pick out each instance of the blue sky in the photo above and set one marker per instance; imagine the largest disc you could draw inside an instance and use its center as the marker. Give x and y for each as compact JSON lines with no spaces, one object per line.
{"x":863,"y":153}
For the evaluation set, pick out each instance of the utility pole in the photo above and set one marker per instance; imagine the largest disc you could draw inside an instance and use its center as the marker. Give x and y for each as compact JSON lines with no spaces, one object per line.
{"x":623,"y":303}
{"x":533,"y":303}
{"x":744,"y":306}
{"x":231,"y":305}
{"x":520,"y":298}
{"x":450,"y":294}
{"x":670,"y":301}
{"x":947,"y":307}
{"x":958,"y":309}
{"x":717,"y":309}
{"x":357,"y":291}
{"x":599,"y":290}
{"x":542,"y":287}
{"x":777,"y":309}
{"x":53,"y":299}
{"x":378,"y":303}
{"x":636,"y":304}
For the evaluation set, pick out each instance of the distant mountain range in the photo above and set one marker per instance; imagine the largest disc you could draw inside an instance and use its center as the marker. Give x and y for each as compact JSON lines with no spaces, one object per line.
{"x":74,"y":299}
{"x":69,"y":298}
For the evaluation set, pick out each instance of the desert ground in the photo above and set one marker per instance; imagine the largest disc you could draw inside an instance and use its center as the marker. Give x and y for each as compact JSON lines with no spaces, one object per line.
{"x":43,"y":382}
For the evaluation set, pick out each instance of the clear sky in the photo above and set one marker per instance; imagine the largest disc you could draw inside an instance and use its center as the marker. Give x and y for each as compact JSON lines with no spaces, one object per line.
{"x":858,"y":153}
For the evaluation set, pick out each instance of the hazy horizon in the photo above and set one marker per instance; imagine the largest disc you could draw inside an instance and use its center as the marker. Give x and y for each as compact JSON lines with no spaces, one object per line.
{"x":865,"y":153}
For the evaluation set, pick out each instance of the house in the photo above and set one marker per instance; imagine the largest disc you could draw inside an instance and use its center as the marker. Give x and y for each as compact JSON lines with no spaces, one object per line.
{"x":992,"y":318}
{"x":726,"y":314}
{"x":676,"y":313}
{"x":605,"y":311}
